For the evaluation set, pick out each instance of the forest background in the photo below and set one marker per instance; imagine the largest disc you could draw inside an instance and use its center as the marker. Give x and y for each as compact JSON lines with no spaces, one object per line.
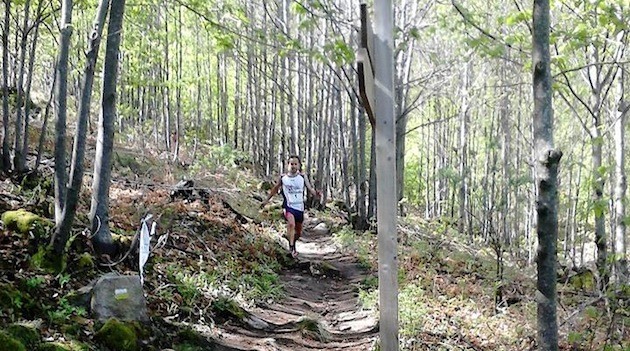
{"x":268,"y":79}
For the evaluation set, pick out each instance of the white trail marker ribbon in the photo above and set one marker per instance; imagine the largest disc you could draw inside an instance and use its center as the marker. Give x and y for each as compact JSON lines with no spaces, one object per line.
{"x":145,"y":243}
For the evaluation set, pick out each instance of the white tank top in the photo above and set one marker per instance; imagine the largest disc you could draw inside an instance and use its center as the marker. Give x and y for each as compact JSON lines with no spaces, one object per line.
{"x":293,"y":191}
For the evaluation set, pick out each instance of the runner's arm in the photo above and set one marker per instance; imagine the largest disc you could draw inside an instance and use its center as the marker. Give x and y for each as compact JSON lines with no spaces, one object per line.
{"x":273,"y":192}
{"x":310,"y":188}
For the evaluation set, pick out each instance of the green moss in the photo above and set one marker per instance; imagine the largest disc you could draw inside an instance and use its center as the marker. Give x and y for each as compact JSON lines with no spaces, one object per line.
{"x":26,"y":334}
{"x":46,"y":259}
{"x":20,"y":220}
{"x":10,"y":343}
{"x":117,"y":335}
{"x":86,"y":260}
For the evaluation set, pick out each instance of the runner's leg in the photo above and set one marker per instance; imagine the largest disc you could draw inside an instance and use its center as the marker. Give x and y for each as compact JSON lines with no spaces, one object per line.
{"x":298,"y":230}
{"x":290,"y":229}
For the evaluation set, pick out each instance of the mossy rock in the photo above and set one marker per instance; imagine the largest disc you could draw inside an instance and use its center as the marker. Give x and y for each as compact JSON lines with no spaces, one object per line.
{"x":10,"y":343}
{"x":27,"y":334}
{"x":244,"y":206}
{"x":117,"y":335}
{"x":24,"y":221}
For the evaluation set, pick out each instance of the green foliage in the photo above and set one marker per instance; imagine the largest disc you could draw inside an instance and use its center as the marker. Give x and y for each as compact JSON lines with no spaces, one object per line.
{"x":450,"y":174}
{"x":585,"y":281}
{"x":263,"y":284}
{"x":519,"y":17}
{"x":339,"y":52}
{"x":414,"y":183}
{"x":34,"y":283}
{"x":345,"y":236}
{"x":412,"y":313}
{"x":117,"y":335}
{"x":219,"y":157}
{"x":228,"y":308}
{"x":298,"y":8}
{"x":224,"y":41}
{"x":64,"y":310}
{"x":369,"y":283}
{"x":11,"y":300}
{"x":187,"y":286}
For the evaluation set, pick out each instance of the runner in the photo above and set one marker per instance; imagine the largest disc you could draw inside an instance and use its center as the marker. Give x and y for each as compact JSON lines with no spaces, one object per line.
{"x":293,"y":184}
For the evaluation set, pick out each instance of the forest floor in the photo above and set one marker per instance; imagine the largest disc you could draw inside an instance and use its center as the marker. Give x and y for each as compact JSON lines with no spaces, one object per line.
{"x":219,"y":276}
{"x":320,"y":309}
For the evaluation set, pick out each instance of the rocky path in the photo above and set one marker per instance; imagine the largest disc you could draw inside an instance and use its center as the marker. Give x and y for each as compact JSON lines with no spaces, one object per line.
{"x":320,"y":311}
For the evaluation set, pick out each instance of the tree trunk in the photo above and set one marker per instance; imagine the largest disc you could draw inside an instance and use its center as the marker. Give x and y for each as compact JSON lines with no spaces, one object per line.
{"x":99,"y":212}
{"x":6,"y":157}
{"x":29,"y":81}
{"x":62,"y":101}
{"x":547,"y":158}
{"x":463,"y":149}
{"x":62,"y":231}
{"x":178,"y":89}
{"x":42,"y":135}
{"x":619,"y":243}
{"x":18,"y":158}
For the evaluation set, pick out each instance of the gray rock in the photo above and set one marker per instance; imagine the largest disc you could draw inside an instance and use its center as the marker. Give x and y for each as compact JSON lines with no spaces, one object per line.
{"x":119,"y":296}
{"x":321,"y":228}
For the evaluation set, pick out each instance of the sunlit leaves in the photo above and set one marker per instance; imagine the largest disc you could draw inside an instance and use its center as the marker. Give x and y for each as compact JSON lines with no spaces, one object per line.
{"x":486,"y":46}
{"x":307,"y":23}
{"x":414,"y":33}
{"x":289,"y":46}
{"x":298,"y":8}
{"x":339,"y":52}
{"x":520,"y":17}
{"x":223,"y":41}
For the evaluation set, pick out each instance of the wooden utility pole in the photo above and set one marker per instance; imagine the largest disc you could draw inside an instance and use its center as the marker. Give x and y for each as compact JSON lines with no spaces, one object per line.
{"x":377,"y":95}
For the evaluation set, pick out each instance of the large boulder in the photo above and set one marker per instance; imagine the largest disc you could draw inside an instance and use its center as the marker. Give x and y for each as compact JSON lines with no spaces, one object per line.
{"x":119,"y":296}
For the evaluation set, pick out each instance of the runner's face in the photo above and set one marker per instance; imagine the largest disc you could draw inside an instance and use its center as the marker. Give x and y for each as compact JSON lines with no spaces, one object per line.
{"x":294,"y":165}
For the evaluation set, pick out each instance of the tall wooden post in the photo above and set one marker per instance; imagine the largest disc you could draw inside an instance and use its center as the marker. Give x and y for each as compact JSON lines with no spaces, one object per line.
{"x":376,"y":85}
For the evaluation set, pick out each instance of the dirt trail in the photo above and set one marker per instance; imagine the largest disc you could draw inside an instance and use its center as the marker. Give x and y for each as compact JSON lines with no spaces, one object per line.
{"x":321,"y":286}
